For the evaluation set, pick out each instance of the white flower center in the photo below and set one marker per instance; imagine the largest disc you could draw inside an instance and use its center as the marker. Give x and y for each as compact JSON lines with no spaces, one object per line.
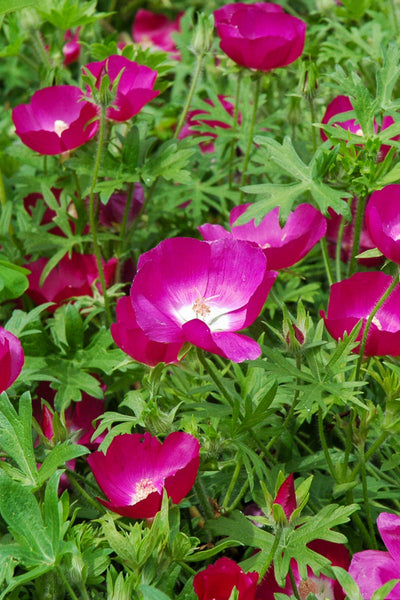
{"x":144,"y":488}
{"x":359,"y":132}
{"x":201,"y":308}
{"x":319,"y":586}
{"x":377,"y":323}
{"x":204,"y":309}
{"x":60,"y":126}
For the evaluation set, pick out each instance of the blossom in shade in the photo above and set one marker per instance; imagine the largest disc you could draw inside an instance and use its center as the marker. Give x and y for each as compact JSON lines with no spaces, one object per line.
{"x":282,"y":246}
{"x":342,"y":104}
{"x":112,"y":213}
{"x":56,"y":120}
{"x":134,"y":89}
{"x":151,"y":29}
{"x":354,"y":299}
{"x":373,"y":568}
{"x":71,"y":48}
{"x":321,"y":586}
{"x":72,"y":276}
{"x":187,"y":290}
{"x":259,"y":36}
{"x":194,"y":120}
{"x":131,"y":339}
{"x":217,"y":581}
{"x":382,"y":217}
{"x":137,"y":468}
{"x":11,"y":359}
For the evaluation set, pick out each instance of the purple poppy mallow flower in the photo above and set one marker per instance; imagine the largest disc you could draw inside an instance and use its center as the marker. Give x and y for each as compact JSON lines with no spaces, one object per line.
{"x":71,"y":48}
{"x":354,"y":299}
{"x":282,"y":246}
{"x":187,"y":290}
{"x":343,"y":104}
{"x":218,"y":581}
{"x":137,"y":468}
{"x":259,"y":36}
{"x":56,"y":120}
{"x":11,"y":359}
{"x":371,"y":569}
{"x":155,"y":29}
{"x":134,"y":89}
{"x":382,"y":218}
{"x":133,"y":341}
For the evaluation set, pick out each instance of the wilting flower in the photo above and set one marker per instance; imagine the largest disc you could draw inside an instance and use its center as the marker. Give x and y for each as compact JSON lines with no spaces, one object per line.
{"x":137,"y":468}
{"x":11,"y":359}
{"x":321,"y":586}
{"x":217,"y":581}
{"x":373,"y":568}
{"x":131,"y":339}
{"x":194,"y":120}
{"x":342,"y":104}
{"x":72,"y":276}
{"x":382,"y":217}
{"x":134,"y":89}
{"x":283,"y":246}
{"x":354,"y":299}
{"x":259,"y":36}
{"x":151,"y":29}
{"x":56,"y":120}
{"x":187,"y":290}
{"x":71,"y":48}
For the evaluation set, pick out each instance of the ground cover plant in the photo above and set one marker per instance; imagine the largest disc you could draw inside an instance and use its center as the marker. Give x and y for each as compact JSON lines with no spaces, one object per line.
{"x":199,"y":300}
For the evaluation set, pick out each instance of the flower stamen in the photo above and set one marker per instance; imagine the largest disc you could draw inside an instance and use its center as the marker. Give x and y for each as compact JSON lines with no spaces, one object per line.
{"x":144,"y":488}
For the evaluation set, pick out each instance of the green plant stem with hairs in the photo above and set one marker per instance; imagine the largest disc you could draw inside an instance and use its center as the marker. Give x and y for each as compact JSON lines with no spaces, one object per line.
{"x":251,"y":132}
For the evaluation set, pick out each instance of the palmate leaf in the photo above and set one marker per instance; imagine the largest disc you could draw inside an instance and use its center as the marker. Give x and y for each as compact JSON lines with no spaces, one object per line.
{"x":6,"y":6}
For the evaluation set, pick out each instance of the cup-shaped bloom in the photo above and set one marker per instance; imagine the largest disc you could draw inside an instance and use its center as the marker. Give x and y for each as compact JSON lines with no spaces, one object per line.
{"x":259,"y":36}
{"x":71,"y":48}
{"x":72,"y":276}
{"x":382,"y":217}
{"x":56,"y":120}
{"x":371,"y":569}
{"x":217,"y":581}
{"x":187,"y":290}
{"x":354,"y":299}
{"x":137,"y":468}
{"x":342,"y":104}
{"x":131,"y":339}
{"x":134,"y":89}
{"x":194,"y":120}
{"x":321,"y":586}
{"x":11,"y":359}
{"x":283,"y":246}
{"x":151,"y":29}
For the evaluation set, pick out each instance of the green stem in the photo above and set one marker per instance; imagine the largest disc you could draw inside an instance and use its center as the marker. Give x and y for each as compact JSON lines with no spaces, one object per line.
{"x":327,"y":264}
{"x":96,"y":505}
{"x":203,"y":499}
{"x":251,"y":131}
{"x":240,"y":495}
{"x":293,"y":584}
{"x":92,"y":213}
{"x":232,"y":483}
{"x":394,"y":17}
{"x":224,"y":392}
{"x":129,"y":201}
{"x":66,"y":583}
{"x":41,"y":51}
{"x":369,"y":321}
{"x":371,"y":450}
{"x":349,"y":440}
{"x":357,"y":233}
{"x":271,"y":555}
{"x":366,"y":498}
{"x":325,"y":445}
{"x":195,"y":79}
{"x":338,"y":254}
{"x":234,"y":127}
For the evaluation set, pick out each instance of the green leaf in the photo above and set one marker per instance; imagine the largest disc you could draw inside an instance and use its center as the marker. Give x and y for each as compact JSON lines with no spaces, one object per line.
{"x":58,"y":457}
{"x":151,"y":593}
{"x":7,"y":6}
{"x":347,"y":583}
{"x":13,"y":280}
{"x":387,"y":75}
{"x":169,"y":162}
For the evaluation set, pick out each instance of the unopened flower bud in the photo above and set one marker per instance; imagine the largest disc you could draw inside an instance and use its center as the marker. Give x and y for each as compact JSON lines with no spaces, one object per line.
{"x":203,"y":34}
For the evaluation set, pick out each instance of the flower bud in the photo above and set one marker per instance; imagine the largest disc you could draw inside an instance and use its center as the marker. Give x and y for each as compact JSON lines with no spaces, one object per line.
{"x":203,"y":34}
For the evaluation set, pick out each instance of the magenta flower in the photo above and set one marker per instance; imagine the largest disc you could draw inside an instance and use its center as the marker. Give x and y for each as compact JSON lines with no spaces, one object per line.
{"x":131,"y":339}
{"x":259,"y":36}
{"x":151,"y":29}
{"x":373,"y":568}
{"x":382,"y":217}
{"x":283,"y":246}
{"x":56,"y":120}
{"x":321,"y":586}
{"x":137,"y":468}
{"x":354,"y":299}
{"x":193,"y":121}
{"x":286,"y":496}
{"x":112,"y":213}
{"x":70,"y":277}
{"x":342,"y":104}
{"x":71,"y":48}
{"x":217,"y":581}
{"x":135,"y":87}
{"x":187,"y":290}
{"x":11,"y":359}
